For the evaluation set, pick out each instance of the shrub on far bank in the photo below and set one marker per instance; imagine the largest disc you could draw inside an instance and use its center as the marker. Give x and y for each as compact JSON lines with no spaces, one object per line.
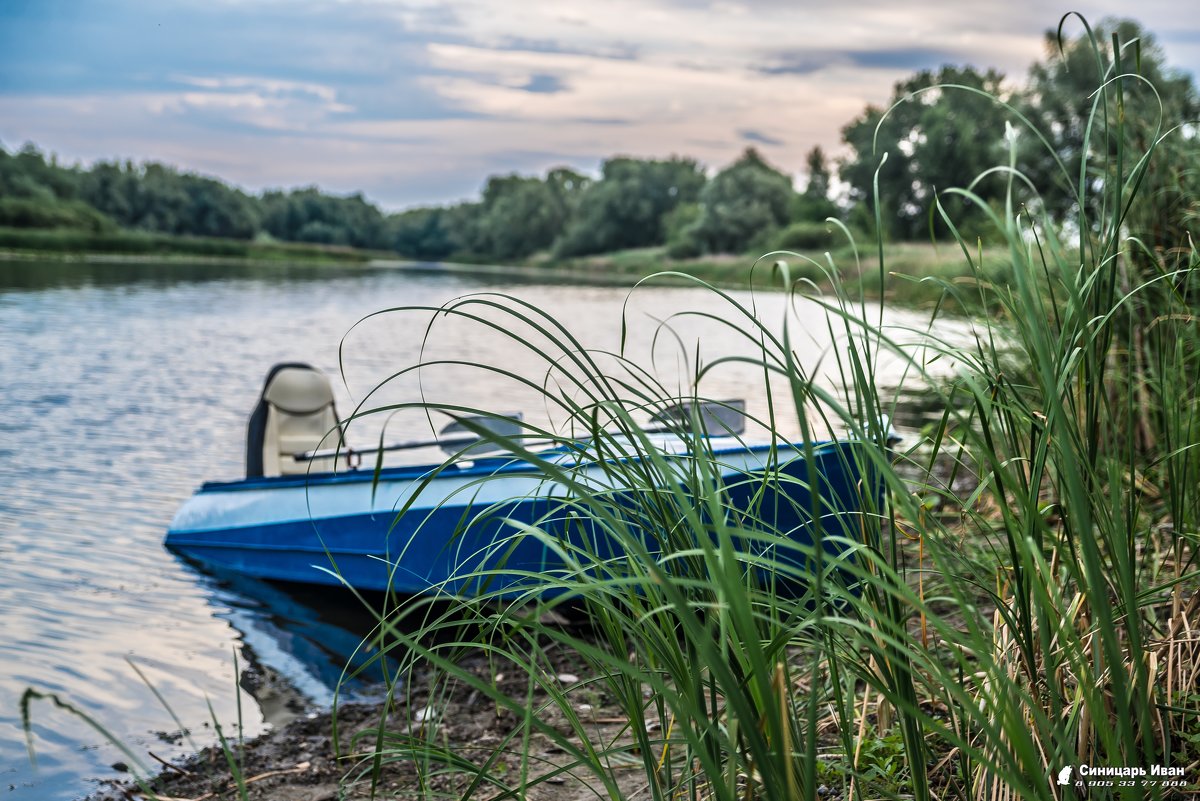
{"x":125,"y":242}
{"x":742,"y":203}
{"x":629,"y":206}
{"x":18,"y":212}
{"x":136,"y":243}
{"x":806,"y":235}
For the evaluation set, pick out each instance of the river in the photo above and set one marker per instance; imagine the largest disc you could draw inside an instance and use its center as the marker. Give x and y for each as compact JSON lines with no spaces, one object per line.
{"x":127,"y":385}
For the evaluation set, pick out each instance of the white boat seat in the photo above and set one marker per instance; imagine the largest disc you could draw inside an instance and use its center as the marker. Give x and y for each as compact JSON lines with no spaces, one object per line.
{"x":295,"y":414}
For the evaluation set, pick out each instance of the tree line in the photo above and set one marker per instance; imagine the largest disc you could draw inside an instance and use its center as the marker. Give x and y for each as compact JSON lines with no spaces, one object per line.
{"x":38,"y":192}
{"x":942,"y":129}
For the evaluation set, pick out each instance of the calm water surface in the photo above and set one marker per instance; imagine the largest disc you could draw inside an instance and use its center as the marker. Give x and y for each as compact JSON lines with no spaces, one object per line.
{"x":122,"y":387}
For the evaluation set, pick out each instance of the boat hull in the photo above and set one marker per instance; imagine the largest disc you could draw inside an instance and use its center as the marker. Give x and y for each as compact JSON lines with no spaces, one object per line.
{"x":471,"y":532}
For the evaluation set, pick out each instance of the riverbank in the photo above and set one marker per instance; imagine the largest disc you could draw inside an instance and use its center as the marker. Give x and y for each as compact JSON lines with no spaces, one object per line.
{"x":58,"y":244}
{"x":915,"y":274}
{"x":305,"y":761}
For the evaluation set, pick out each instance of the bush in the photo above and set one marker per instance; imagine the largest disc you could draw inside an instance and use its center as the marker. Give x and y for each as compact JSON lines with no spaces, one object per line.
{"x":743,"y":203}
{"x":684,"y":247}
{"x":33,"y":213}
{"x":680,"y":224}
{"x":807,"y":236}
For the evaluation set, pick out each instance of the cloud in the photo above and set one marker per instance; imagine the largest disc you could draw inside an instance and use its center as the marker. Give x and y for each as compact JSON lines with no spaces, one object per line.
{"x":362,"y":52}
{"x":758,"y":137}
{"x":419,"y":100}
{"x":893,"y":59}
{"x":907,"y":59}
{"x":795,"y":64}
{"x":544,"y":84}
{"x":621,"y":51}
{"x":267,"y":86}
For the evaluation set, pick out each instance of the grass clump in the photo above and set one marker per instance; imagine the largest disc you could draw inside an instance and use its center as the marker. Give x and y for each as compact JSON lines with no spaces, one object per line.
{"x":955,"y":639}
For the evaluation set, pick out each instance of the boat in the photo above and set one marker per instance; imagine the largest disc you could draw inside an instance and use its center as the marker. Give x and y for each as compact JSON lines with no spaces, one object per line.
{"x":307,"y":512}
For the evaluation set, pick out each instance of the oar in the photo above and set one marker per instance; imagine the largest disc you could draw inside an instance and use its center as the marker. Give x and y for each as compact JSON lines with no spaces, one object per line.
{"x":508,"y":426}
{"x":718,"y":418}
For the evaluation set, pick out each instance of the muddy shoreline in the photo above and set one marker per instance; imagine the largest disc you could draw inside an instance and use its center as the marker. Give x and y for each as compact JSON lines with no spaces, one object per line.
{"x":304,"y":761}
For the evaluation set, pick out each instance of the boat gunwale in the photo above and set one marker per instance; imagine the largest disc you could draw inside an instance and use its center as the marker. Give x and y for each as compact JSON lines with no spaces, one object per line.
{"x":480,"y":467}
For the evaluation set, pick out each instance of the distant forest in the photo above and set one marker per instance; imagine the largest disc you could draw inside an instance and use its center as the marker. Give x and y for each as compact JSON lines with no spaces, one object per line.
{"x":946,"y":128}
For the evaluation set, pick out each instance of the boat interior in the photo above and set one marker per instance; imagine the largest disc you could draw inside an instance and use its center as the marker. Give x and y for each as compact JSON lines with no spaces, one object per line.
{"x":295,"y":430}
{"x":295,"y":414}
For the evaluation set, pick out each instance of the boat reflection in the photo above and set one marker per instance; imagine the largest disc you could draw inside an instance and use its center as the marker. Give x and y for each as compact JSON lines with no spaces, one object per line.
{"x":300,"y":644}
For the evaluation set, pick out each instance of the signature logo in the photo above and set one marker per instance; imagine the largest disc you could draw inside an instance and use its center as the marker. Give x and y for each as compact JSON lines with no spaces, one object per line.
{"x":1064,"y":775}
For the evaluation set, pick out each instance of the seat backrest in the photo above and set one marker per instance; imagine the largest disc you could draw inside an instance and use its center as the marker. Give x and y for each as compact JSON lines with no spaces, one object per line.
{"x":295,"y":414}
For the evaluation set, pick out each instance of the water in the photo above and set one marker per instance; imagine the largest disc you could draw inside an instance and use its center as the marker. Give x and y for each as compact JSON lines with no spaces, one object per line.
{"x":125,"y":386}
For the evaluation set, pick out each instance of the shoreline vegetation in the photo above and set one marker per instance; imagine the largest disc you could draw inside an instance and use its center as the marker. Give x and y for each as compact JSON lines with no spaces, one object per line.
{"x":975,"y":640}
{"x":918,"y":271}
{"x":304,"y":760}
{"x":17,"y":244}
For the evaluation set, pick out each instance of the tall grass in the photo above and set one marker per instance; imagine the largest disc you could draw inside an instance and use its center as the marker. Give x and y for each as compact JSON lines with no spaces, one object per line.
{"x":1020,"y":597}
{"x":141,"y":243}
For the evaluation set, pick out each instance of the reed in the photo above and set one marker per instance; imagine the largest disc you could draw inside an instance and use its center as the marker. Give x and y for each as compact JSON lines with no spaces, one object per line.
{"x":957,"y":639}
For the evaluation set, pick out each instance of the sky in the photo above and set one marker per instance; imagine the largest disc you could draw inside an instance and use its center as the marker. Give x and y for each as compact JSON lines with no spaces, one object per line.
{"x":414,"y":102}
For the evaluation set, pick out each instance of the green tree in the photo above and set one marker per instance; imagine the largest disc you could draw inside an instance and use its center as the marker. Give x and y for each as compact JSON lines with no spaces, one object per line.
{"x":1059,"y":100}
{"x":309,"y":215}
{"x":813,"y":204}
{"x":568,"y":187}
{"x":36,"y":192}
{"x":155,"y":197}
{"x":519,"y":216}
{"x":741,"y":206}
{"x":421,"y":234}
{"x":29,"y":174}
{"x":818,"y":175}
{"x":936,"y":137}
{"x":215,"y":209}
{"x":108,"y":188}
{"x":627,"y":206}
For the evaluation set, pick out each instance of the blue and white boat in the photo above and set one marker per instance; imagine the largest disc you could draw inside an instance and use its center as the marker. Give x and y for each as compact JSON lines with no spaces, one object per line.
{"x":302,"y":514}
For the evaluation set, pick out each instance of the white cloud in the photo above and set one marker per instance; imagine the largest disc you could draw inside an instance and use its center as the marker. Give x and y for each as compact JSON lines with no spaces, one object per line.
{"x":264,"y":103}
{"x":265,"y":86}
{"x":437,"y":97}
